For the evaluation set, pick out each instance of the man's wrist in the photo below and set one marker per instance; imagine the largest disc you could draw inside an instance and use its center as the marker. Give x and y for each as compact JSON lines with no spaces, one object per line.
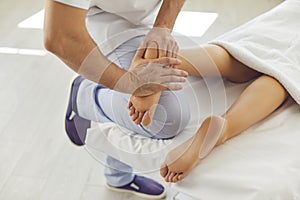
{"x":126,"y":83}
{"x":162,"y":27}
{"x":168,"y":13}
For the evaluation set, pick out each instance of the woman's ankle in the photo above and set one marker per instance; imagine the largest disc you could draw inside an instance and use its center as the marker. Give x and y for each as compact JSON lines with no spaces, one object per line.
{"x":226,"y":132}
{"x":214,"y":129}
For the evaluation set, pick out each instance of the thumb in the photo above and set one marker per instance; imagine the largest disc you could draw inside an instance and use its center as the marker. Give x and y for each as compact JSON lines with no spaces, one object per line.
{"x":139,"y":54}
{"x":152,"y":51}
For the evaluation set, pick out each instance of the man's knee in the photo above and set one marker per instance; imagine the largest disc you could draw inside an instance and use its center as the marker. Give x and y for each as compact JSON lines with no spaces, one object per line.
{"x":171,"y":117}
{"x":174,"y":125}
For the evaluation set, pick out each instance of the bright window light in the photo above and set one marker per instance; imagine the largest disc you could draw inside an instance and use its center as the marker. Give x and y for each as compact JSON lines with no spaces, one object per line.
{"x":35,"y":21}
{"x":31,"y":52}
{"x":188,"y":23}
{"x":194,"y":24}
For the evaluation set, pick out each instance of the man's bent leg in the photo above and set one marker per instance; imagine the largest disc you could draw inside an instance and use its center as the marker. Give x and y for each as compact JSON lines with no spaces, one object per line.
{"x":104,"y":105}
{"x":117,"y":173}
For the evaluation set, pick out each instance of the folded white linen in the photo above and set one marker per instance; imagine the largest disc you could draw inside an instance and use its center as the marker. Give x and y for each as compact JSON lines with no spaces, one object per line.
{"x":270,"y":44}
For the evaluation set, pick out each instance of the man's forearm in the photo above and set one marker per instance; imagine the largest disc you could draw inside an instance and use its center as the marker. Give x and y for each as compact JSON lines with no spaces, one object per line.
{"x":88,"y":61}
{"x":168,"y":13}
{"x":67,"y":37}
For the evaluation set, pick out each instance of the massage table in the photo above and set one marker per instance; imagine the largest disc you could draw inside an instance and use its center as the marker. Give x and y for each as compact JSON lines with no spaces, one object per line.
{"x":261,"y":163}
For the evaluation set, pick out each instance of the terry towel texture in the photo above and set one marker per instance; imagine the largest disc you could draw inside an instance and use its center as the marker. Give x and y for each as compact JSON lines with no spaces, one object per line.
{"x":270,"y":44}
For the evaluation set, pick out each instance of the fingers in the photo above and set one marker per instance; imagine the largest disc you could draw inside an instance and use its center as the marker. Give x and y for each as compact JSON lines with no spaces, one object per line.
{"x":171,"y":87}
{"x":159,"y":88}
{"x":166,"y":85}
{"x":176,"y":72}
{"x":163,"y":52}
{"x":167,"y":61}
{"x":169,"y":52}
{"x":170,"y":72}
{"x":175,"y":52}
{"x":172,"y":52}
{"x":168,"y":79}
{"x":168,"y":48}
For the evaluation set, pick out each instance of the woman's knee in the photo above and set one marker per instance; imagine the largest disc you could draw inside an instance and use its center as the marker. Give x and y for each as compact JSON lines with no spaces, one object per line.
{"x":228,"y":66}
{"x":272,"y":85}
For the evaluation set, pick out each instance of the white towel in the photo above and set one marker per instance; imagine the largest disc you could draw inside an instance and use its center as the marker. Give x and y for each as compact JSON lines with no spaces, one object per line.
{"x":270,"y":44}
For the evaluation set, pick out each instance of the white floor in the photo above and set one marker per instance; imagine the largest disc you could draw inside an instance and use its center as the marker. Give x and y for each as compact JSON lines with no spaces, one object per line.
{"x":37,"y":160}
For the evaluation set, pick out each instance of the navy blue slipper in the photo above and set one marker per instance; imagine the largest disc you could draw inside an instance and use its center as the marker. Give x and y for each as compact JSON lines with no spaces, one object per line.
{"x":76,"y":126}
{"x":142,"y":187}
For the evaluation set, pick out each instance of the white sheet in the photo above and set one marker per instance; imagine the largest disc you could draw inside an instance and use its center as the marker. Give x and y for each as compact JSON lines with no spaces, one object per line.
{"x":261,"y":163}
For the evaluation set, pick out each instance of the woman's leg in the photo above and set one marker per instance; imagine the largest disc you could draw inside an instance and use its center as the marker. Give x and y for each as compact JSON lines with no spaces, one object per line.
{"x":261,"y":97}
{"x":212,"y":61}
{"x":258,"y":100}
{"x":206,"y":61}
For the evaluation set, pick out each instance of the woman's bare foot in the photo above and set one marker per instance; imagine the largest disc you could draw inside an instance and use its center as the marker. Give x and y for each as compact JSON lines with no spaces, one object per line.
{"x":181,"y":160}
{"x":142,"y":109}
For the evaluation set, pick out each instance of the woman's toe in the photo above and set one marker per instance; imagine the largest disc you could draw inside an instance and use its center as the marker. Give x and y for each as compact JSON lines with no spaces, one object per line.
{"x":164,"y":170}
{"x":131,"y":111}
{"x":146,"y":121}
{"x":175,"y":178}
{"x":134,"y":116}
{"x":170,"y":178}
{"x":167,"y":176}
{"x":139,"y":118}
{"x":182,"y":176}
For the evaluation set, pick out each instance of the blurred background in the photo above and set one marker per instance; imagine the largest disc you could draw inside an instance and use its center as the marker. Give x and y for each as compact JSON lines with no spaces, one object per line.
{"x":37,"y":161}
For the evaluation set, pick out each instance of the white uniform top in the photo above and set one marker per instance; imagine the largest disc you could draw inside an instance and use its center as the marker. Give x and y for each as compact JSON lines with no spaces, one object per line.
{"x":112,"y":22}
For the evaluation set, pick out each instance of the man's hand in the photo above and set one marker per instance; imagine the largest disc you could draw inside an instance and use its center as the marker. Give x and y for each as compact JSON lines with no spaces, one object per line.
{"x":164,"y":41}
{"x":163,"y":26}
{"x":148,"y":76}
